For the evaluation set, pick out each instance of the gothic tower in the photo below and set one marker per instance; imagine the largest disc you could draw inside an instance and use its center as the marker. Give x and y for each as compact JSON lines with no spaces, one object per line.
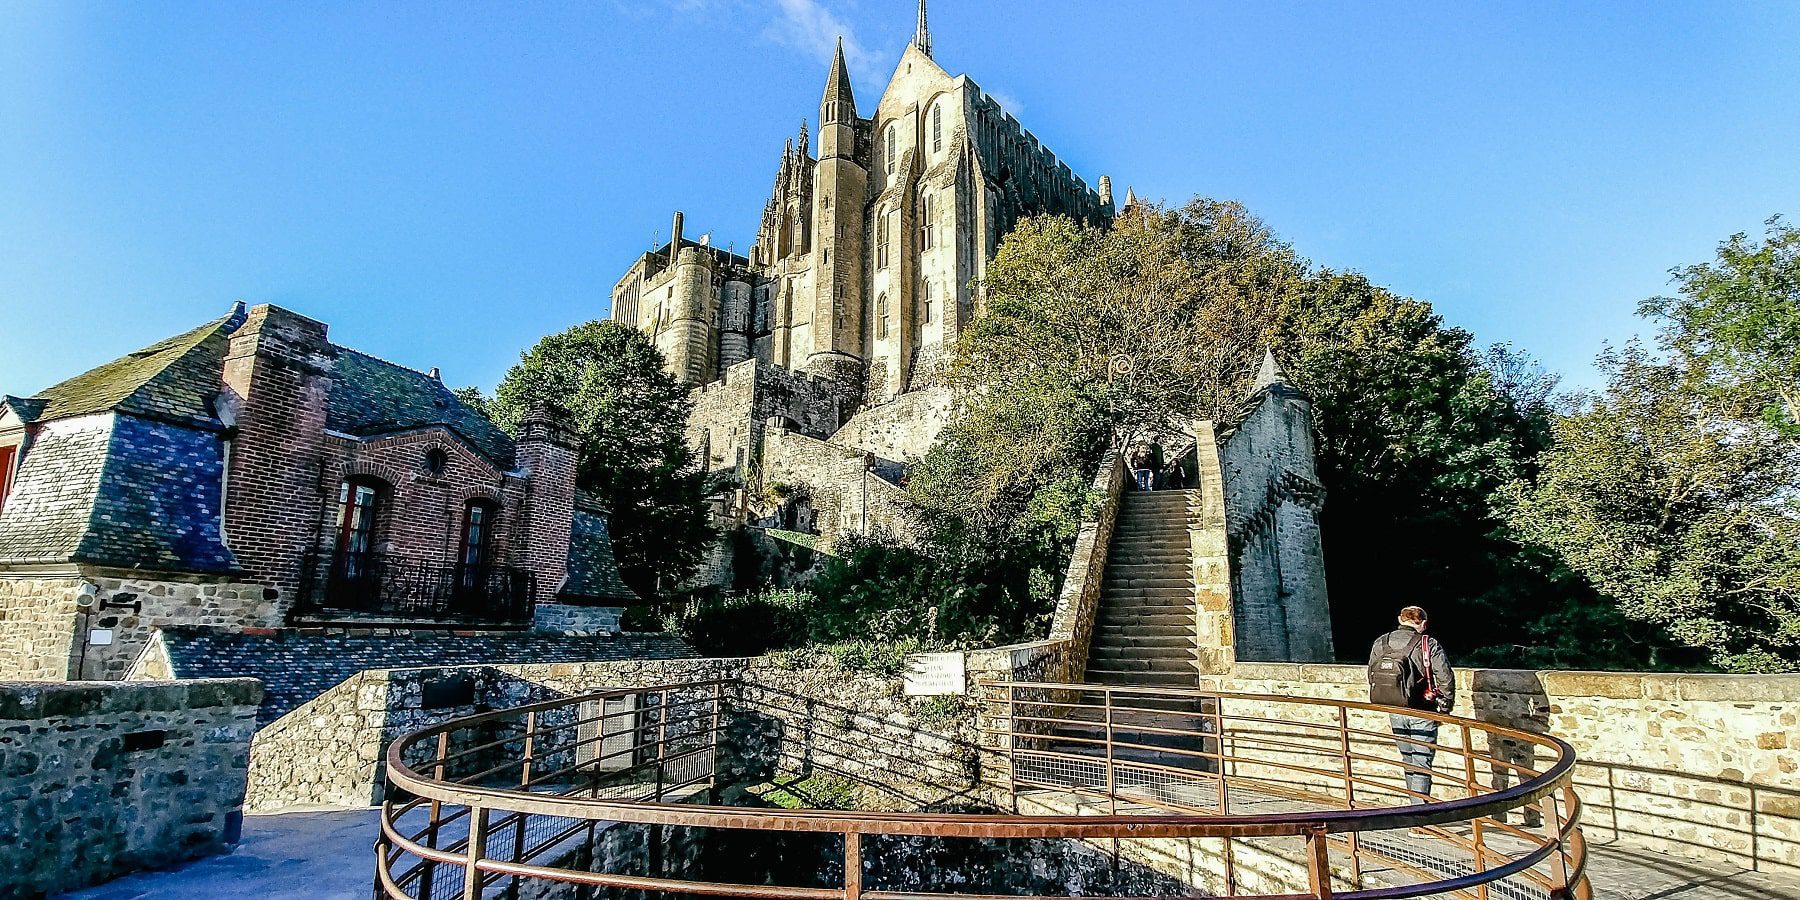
{"x":840,"y":192}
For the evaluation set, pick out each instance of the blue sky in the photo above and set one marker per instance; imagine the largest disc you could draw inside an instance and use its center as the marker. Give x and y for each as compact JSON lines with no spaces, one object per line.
{"x":444,"y":183}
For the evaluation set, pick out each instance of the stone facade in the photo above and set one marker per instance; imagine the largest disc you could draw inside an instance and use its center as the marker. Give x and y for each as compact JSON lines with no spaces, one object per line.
{"x":203,"y":480}
{"x":97,"y":780}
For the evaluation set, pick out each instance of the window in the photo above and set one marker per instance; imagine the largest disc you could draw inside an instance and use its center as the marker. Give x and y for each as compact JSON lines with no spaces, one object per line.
{"x":926,"y":227}
{"x":890,"y":141}
{"x":434,"y":464}
{"x":478,"y":523}
{"x":881,"y":240}
{"x":7,"y":457}
{"x":881,"y":316}
{"x":925,"y":296}
{"x":937,"y":128}
{"x":893,"y":229}
{"x":357,"y":506}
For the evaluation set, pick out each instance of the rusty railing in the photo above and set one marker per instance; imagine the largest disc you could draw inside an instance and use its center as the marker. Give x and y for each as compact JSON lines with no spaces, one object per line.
{"x":1275,"y":798}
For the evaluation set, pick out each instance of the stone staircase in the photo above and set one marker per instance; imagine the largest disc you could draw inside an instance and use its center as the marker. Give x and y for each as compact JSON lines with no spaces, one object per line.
{"x":1145,"y":631}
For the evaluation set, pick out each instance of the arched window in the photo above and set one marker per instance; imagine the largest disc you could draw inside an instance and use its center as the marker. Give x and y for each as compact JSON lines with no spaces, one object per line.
{"x":359,"y":501}
{"x":937,"y":128}
{"x":881,"y":240}
{"x":474,"y":559}
{"x":925,"y":298}
{"x":890,"y":142}
{"x":881,"y":316}
{"x":925,"y":222}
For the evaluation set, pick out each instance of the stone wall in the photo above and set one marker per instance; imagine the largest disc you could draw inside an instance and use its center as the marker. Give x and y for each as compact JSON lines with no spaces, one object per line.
{"x":569,"y":618}
{"x":907,"y":753}
{"x":847,"y":497}
{"x":43,"y":634}
{"x":1701,"y":766}
{"x":900,"y":430}
{"x":1077,"y":606}
{"x":37,"y":626}
{"x":101,"y":779}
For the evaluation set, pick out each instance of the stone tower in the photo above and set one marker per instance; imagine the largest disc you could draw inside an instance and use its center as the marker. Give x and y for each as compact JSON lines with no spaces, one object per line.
{"x":840,"y":193}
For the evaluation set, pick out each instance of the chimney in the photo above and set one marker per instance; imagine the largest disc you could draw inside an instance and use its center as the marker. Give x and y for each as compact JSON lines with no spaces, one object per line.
{"x":546,"y":449}
{"x":675,"y":239}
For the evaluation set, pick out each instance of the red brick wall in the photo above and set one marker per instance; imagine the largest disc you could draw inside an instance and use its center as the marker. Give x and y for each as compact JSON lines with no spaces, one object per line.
{"x":546,"y":451}
{"x":278,"y":373}
{"x":420,"y":515}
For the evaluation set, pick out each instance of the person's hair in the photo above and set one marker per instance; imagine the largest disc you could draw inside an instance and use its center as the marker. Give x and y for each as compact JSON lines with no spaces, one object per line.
{"x":1412,"y":615}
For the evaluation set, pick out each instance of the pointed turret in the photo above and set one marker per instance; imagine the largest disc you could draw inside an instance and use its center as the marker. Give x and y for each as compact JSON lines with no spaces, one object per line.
{"x":1130,"y":197}
{"x":922,"y":37}
{"x":805,"y":141}
{"x":837,"y":110}
{"x":1269,"y":374}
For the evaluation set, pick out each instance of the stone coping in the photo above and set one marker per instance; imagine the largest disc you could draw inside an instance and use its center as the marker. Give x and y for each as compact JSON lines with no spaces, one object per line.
{"x":34,"y":700}
{"x":1556,"y":682}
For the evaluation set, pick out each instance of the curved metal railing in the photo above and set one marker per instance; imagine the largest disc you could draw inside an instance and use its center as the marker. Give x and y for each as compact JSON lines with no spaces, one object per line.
{"x":1312,"y":790}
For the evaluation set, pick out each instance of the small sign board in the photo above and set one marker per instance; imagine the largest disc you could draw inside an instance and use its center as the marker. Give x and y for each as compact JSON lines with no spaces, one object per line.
{"x":934,"y":674}
{"x":100,"y":637}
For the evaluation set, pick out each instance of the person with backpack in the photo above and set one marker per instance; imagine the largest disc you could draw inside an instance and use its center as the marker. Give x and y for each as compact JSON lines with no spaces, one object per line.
{"x":1408,"y":669}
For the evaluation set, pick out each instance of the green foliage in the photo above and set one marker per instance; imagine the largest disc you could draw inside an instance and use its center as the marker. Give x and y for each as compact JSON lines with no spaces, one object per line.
{"x":1678,"y":503}
{"x":1418,"y":428}
{"x":743,"y":625}
{"x":1738,"y":319}
{"x":948,"y":591}
{"x":630,"y":415}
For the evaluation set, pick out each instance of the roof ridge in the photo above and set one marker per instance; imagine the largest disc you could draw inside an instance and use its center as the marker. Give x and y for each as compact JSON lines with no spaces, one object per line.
{"x":385,"y":361}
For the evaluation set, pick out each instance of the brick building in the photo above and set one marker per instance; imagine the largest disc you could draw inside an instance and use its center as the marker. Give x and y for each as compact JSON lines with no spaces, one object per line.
{"x":250,"y":474}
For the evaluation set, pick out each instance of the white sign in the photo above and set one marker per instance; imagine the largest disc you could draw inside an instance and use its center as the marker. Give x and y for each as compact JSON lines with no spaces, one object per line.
{"x":933,"y":674}
{"x":100,"y":637}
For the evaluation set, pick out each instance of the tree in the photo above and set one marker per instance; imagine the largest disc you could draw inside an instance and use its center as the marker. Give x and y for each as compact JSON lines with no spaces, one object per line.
{"x":1739,"y":319}
{"x":1418,"y":428}
{"x":1661,"y":494}
{"x":631,"y":416}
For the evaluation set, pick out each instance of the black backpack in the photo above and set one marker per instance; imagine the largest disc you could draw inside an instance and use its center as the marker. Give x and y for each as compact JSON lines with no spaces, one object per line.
{"x":1394,"y":678}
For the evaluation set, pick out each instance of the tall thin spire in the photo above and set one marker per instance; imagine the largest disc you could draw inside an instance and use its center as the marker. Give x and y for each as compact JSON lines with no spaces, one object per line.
{"x":922,"y":37}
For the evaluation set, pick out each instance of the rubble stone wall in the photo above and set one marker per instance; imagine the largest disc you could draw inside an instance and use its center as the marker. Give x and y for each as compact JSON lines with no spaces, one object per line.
{"x":1700,"y":766}
{"x":98,"y":779}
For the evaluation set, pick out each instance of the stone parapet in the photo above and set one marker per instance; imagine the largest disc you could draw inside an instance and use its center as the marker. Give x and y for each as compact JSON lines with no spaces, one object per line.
{"x":104,"y":778}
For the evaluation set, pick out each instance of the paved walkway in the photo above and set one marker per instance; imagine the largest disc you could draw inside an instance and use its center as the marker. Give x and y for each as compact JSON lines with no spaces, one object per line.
{"x":330,"y":856}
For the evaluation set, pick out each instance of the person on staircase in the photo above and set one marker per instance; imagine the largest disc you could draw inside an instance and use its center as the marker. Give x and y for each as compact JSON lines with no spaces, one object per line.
{"x":1408,"y":669}
{"x":1142,"y":463}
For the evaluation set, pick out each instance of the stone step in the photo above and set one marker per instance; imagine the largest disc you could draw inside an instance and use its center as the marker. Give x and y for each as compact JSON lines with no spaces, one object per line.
{"x":1105,"y":632}
{"x":1173,"y":665}
{"x":1150,"y":551}
{"x":1160,"y":679}
{"x":1179,"y":566}
{"x":1148,"y":643}
{"x":1182,"y":591}
{"x":1112,"y":585}
{"x":1130,"y":619}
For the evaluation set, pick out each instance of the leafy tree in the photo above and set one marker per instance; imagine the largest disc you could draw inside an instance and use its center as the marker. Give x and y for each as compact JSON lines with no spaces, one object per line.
{"x":1671,"y":503}
{"x":1418,"y":428}
{"x":1738,"y":318}
{"x":631,"y":416}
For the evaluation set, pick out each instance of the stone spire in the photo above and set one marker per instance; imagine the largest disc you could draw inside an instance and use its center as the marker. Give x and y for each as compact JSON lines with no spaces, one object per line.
{"x":922,"y":37}
{"x":805,"y":142}
{"x":837,"y":89}
{"x":1269,"y":374}
{"x":1130,"y":197}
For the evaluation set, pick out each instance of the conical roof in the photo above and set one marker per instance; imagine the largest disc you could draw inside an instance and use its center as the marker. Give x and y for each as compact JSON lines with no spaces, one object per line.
{"x":837,"y":84}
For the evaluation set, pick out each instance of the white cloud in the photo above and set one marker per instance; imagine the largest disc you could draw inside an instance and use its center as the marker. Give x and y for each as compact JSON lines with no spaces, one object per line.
{"x":1007,"y":102}
{"x":811,"y":28}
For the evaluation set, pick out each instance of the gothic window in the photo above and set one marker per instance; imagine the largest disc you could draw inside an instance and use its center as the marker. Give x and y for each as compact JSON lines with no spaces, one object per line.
{"x":893,"y":229}
{"x":881,"y":316}
{"x":925,"y":226}
{"x":891,"y":140}
{"x":358,"y":501}
{"x":881,"y":240}
{"x":937,"y":128}
{"x":925,"y":296}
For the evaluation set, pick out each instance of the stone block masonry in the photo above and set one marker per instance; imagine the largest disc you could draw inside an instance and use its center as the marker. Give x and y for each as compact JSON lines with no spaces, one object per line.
{"x":98,"y":779}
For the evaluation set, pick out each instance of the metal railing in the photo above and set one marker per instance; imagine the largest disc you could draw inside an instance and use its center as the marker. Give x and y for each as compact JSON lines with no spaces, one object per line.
{"x":500,"y":801}
{"x":388,"y":586}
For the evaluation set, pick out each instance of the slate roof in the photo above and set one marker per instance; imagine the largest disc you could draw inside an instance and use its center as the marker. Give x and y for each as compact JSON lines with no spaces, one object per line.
{"x":296,"y":667}
{"x":593,"y":572}
{"x":371,"y":396}
{"x":174,"y":379}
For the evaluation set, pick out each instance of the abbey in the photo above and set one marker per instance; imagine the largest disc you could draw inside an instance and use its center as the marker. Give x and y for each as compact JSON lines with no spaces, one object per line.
{"x":862,"y":268}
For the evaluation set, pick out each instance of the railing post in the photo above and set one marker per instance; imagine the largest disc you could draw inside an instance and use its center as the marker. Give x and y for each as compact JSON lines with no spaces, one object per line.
{"x":530,"y":747}
{"x":853,"y":865}
{"x":1559,"y":863}
{"x":478,"y":826}
{"x":1012,"y":744}
{"x":1477,"y":837}
{"x":1112,"y":786}
{"x":428,"y":875}
{"x":1356,"y":874}
{"x":1224,"y":795}
{"x":662,"y":738}
{"x":1318,"y":862}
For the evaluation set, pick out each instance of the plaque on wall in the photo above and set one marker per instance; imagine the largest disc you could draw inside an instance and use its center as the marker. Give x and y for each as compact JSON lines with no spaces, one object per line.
{"x":934,"y":674}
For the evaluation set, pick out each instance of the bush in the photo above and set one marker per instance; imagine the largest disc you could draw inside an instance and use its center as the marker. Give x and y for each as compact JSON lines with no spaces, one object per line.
{"x":725,"y":625}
